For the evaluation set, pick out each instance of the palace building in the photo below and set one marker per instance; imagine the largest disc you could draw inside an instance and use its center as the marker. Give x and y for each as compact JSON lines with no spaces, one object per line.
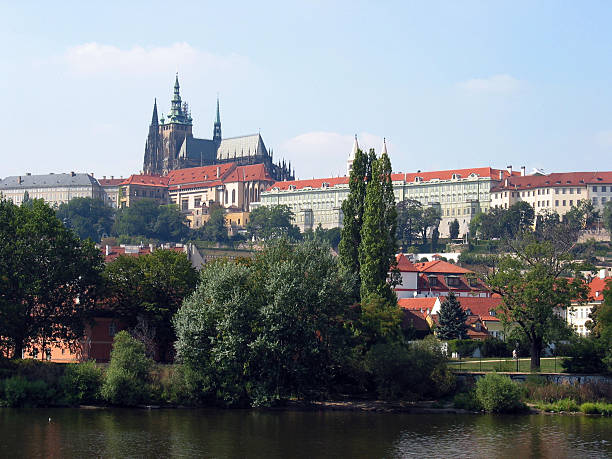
{"x":170,"y":145}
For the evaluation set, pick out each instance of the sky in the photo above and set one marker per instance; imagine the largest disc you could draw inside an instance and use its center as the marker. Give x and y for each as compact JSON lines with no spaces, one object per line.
{"x":449,"y":84}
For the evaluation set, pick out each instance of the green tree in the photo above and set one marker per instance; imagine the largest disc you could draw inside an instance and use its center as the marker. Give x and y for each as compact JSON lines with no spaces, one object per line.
{"x":531,"y":283}
{"x":258,"y":331}
{"x":454,"y":229}
{"x":48,"y":277}
{"x":581,"y":216}
{"x":128,"y":377}
{"x":272,"y":222}
{"x":146,"y":291}
{"x":435,"y":237}
{"x":215,"y":228}
{"x":430,"y":219}
{"x":352,"y":210}
{"x":378,"y":243}
{"x":331,"y":236}
{"x":89,"y":218}
{"x":409,"y":217}
{"x":451,"y":319}
{"x":145,"y":218}
{"x":607,"y":216}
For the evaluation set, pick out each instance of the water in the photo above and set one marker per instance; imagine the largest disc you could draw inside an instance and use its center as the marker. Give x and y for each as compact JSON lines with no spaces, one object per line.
{"x":276,"y":434}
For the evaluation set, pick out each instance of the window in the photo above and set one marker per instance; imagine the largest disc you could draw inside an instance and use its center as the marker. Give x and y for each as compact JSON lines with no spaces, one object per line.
{"x":571,"y":202}
{"x":556,"y":202}
{"x":112,"y":329}
{"x":197,"y":201}
{"x":564,"y":202}
{"x":603,"y":189}
{"x":234,"y":197}
{"x":594,"y":200}
{"x":571,"y":191}
{"x":595,"y":189}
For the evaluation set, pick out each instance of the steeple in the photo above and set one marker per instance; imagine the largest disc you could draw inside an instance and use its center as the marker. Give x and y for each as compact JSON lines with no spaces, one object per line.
{"x":351,"y":158}
{"x":384,"y":148}
{"x":154,"y":120}
{"x":217,"y":125}
{"x":178,"y":114}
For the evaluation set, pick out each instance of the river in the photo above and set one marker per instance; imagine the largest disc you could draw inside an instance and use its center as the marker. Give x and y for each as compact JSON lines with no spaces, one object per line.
{"x":300,"y":434}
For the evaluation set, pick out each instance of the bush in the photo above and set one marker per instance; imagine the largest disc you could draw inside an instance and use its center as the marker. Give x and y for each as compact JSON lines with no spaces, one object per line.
{"x":463,"y":347}
{"x":127,"y":380}
{"x":597,"y":408}
{"x":495,"y":347}
{"x":414,"y":372}
{"x":498,"y":394}
{"x":585,"y":356}
{"x":467,"y":401}
{"x":18,"y":391}
{"x":82,"y":383}
{"x":566,"y":404}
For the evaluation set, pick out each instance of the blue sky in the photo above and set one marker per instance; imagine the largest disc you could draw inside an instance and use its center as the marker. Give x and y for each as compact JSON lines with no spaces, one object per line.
{"x":449,"y":84}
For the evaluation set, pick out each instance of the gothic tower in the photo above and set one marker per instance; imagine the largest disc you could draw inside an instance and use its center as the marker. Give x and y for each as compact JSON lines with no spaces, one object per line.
{"x":152,"y":157}
{"x":217,"y":127}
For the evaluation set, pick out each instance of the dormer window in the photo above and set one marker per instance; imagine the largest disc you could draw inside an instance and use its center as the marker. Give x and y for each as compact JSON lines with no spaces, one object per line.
{"x":418,"y":179}
{"x":433,"y":281}
{"x":456,"y":176}
{"x":492,"y":312}
{"x":453,"y":281}
{"x":292,"y":187}
{"x":468,"y":311}
{"x":324,"y":185}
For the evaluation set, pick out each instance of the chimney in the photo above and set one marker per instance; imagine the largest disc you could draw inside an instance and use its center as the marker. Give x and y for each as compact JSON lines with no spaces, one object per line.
{"x":501,"y":175}
{"x":104,"y":177}
{"x":509,"y":168}
{"x":108,"y":250}
{"x":19,"y":180}
{"x":28,"y":173}
{"x":112,"y":177}
{"x":92,"y":174}
{"x":506,"y":182}
{"x":218,"y":168}
{"x":522,"y":171}
{"x":602,"y":273}
{"x":71,"y":173}
{"x":151,"y":247}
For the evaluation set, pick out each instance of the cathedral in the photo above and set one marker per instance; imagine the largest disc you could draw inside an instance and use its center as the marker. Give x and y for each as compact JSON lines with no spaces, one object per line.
{"x":171,"y":145}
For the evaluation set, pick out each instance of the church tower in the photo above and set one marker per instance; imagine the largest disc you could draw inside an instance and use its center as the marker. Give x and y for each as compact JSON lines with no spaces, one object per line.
{"x":351,"y":158}
{"x":152,"y":159}
{"x":217,"y":127}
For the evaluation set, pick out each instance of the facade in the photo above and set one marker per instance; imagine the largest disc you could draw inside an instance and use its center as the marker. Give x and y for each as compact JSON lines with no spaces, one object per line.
{"x":170,"y":145}
{"x":138,"y":187}
{"x":579,"y":314}
{"x":457,"y":194}
{"x":55,"y":189}
{"x":229,"y":185}
{"x":110,"y":188}
{"x":557,"y":192}
{"x":437,"y":278}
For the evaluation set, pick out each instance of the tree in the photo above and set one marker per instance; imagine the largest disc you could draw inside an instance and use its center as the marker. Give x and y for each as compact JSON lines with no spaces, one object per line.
{"x":581,"y":216}
{"x":215,"y":228}
{"x":435,"y":237}
{"x":517,"y":219}
{"x":258,"y":331}
{"x":531,"y":283}
{"x":331,"y":236}
{"x":378,"y":243}
{"x":409,"y":217}
{"x":607,"y":216}
{"x":352,"y":210}
{"x":272,"y":222}
{"x":89,"y":218}
{"x":453,"y":229}
{"x":451,"y":319}
{"x":429,"y":219}
{"x":145,"y":218}
{"x":146,"y":291}
{"x":48,"y":277}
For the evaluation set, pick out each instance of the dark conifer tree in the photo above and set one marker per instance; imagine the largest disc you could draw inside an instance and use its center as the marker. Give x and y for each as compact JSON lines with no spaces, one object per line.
{"x":451,"y":319}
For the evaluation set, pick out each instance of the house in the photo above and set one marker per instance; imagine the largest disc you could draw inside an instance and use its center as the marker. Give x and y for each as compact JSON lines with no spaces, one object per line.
{"x":437,"y":278}
{"x":578,"y":315}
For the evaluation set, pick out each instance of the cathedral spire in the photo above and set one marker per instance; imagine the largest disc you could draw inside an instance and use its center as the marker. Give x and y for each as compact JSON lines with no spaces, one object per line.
{"x":384,"y":148}
{"x":217,"y":125}
{"x":154,"y":120}
{"x":351,"y":158}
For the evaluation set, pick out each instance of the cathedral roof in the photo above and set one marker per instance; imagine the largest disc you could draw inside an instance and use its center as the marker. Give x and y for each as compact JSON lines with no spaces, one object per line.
{"x":47,"y":180}
{"x":243,"y":146}
{"x":249,"y":173}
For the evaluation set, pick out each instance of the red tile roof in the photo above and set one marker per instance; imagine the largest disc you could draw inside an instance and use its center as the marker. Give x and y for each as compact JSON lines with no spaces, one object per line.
{"x":480,"y":307}
{"x":556,"y":179}
{"x":417,"y":304}
{"x":404,"y":264}
{"x":415,"y":319}
{"x":407,"y":177}
{"x":597,"y":287}
{"x":440,"y":266}
{"x":146,"y":180}
{"x":249,"y":173}
{"x":198,"y":175}
{"x":116,"y":252}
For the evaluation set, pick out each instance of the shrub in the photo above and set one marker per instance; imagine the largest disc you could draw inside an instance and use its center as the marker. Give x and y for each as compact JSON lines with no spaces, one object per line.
{"x":467,"y":401}
{"x":463,"y":347}
{"x":584,"y":356}
{"x":589,"y":408}
{"x":495,"y":347}
{"x":18,"y":391}
{"x":82,"y":383}
{"x":566,"y":404}
{"x":498,"y":394}
{"x":127,"y":380}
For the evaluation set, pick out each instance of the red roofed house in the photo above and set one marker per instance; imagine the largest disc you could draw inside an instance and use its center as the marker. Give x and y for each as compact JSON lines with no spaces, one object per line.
{"x":437,"y":278}
{"x":110,"y":188}
{"x":229,"y":185}
{"x":417,"y":313}
{"x":138,"y":187}
{"x":456,"y":194}
{"x":579,"y":314}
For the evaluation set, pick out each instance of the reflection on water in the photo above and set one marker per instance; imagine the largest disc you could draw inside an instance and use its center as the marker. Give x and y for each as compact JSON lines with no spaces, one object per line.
{"x":224,"y":433}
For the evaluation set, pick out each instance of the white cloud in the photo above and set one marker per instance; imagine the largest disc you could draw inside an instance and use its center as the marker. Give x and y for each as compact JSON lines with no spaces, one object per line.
{"x":604,"y":138}
{"x":324,"y":154}
{"x":496,"y":84}
{"x":91,"y":59}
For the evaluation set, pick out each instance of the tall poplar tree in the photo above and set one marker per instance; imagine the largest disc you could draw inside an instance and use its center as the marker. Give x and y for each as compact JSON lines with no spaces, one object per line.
{"x":378,"y":241}
{"x":352,"y":210}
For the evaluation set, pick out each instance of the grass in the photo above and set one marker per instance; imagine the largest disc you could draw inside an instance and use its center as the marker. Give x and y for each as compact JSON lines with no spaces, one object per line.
{"x":547,"y":365}
{"x":604,"y":409}
{"x":565,"y":405}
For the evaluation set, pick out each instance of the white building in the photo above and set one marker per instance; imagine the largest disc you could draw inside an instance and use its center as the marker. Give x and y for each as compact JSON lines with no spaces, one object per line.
{"x":579,"y":314}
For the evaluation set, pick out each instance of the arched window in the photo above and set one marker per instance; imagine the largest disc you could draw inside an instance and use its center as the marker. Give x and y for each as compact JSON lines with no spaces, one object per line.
{"x":233,"y":196}
{"x":226,"y":197}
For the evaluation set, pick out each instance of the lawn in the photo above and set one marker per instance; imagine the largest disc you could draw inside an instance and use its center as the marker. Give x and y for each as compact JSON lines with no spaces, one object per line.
{"x":547,"y":364}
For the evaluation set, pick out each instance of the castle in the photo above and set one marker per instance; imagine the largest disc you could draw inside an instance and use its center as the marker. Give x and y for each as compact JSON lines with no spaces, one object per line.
{"x":171,"y":145}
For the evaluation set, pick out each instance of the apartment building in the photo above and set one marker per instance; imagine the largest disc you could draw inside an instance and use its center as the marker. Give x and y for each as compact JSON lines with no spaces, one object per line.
{"x":142,"y":186}
{"x":110,"y":188}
